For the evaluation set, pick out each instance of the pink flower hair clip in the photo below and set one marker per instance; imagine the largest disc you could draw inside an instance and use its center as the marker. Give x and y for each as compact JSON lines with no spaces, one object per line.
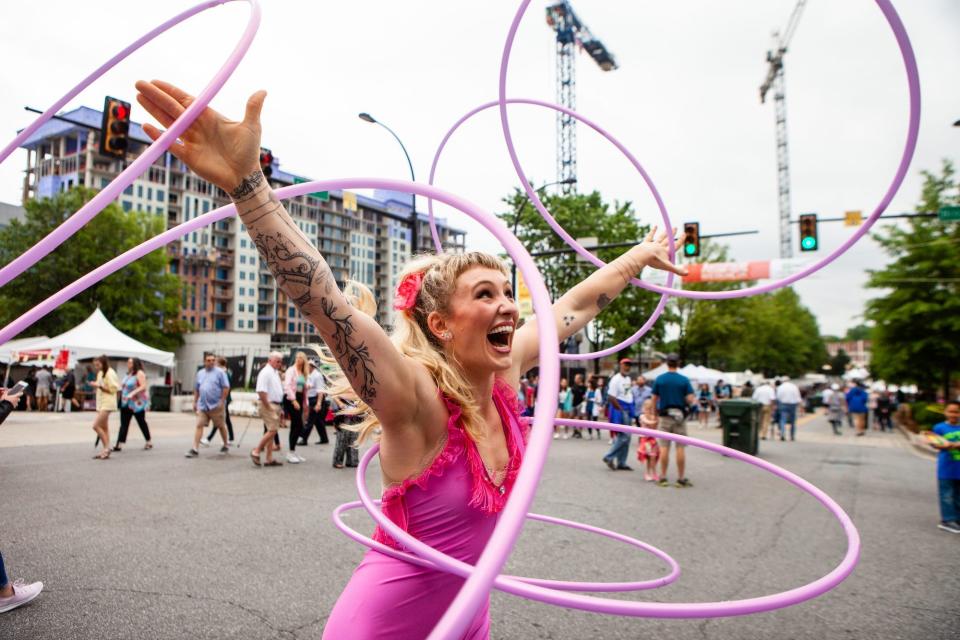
{"x":407,"y":291}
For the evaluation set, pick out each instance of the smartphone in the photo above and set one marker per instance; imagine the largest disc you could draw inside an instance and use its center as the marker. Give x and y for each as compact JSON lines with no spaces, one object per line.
{"x":20,"y":387}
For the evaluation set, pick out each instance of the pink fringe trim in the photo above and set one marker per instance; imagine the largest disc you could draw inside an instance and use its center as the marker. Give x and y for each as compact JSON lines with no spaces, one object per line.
{"x":483,"y":495}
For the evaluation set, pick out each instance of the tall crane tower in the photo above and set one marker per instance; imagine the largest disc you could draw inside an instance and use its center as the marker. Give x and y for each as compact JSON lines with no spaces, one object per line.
{"x":571,"y":32}
{"x":775,"y":81}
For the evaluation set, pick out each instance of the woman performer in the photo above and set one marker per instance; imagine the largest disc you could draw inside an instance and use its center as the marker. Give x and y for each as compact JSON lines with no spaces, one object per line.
{"x":440,"y":389}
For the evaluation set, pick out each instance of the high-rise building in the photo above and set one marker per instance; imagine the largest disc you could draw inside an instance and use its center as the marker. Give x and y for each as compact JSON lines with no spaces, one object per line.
{"x":226,"y":287}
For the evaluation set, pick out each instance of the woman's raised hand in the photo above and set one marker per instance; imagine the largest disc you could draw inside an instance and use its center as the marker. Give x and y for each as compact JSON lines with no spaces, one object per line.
{"x":656,"y":252}
{"x":217,"y":149}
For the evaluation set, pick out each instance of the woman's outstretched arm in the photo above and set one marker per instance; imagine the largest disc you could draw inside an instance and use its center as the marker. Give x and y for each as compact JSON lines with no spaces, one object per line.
{"x":226,"y":153}
{"x":582,"y":303}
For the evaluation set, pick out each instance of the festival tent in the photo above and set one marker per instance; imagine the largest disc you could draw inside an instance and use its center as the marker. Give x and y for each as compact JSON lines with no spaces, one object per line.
{"x":97,"y":336}
{"x":10,"y":349}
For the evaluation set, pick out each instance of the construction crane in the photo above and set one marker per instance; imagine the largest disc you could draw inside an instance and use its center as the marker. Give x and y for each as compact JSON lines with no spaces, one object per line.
{"x":775,"y":81}
{"x":571,"y":32}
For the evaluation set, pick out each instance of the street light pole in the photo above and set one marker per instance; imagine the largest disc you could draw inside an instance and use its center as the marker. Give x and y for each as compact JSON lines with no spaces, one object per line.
{"x":516,"y":223}
{"x":366,"y":117}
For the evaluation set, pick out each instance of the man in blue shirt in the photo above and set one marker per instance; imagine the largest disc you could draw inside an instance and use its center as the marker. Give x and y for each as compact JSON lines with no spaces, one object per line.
{"x":948,"y":467}
{"x":209,"y":399}
{"x":857,"y":407}
{"x":672,"y":392}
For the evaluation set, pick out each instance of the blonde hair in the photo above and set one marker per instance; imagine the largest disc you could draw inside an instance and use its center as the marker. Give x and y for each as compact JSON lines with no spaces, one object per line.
{"x":413,"y":338}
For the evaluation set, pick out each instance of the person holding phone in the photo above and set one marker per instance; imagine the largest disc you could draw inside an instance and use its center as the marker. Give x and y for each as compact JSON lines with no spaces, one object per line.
{"x":107,"y":384}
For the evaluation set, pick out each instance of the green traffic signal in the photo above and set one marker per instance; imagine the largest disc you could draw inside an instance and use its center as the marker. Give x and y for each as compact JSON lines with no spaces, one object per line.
{"x":809,"y":243}
{"x":690,"y":249}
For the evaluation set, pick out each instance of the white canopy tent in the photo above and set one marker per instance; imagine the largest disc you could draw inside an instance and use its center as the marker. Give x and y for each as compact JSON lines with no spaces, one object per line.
{"x":97,"y":336}
{"x":11,"y":347}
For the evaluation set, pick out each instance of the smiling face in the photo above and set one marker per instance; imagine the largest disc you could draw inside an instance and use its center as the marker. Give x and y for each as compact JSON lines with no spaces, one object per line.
{"x":477,"y":328}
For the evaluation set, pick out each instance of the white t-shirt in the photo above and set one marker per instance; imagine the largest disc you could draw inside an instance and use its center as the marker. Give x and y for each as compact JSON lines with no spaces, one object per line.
{"x":764,"y":394}
{"x":315,"y":384}
{"x":619,"y":388}
{"x":268,"y":381}
{"x":788,"y":393}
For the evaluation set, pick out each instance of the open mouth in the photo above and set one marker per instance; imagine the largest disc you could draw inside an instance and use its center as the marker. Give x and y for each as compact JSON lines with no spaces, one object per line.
{"x":500,"y":337}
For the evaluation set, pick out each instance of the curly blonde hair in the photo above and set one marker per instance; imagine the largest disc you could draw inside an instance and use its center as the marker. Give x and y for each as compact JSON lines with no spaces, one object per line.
{"x":413,"y":338}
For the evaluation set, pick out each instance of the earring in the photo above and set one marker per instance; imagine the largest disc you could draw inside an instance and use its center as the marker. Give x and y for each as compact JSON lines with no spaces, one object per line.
{"x":446,"y":335}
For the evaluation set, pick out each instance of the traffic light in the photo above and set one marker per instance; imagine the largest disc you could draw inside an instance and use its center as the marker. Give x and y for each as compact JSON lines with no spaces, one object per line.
{"x":114,"y":127}
{"x":266,"y":160}
{"x":808,"y":232}
{"x":691,"y":239}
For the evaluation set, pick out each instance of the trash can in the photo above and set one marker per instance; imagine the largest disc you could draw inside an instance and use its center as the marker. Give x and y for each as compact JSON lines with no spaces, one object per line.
{"x":160,"y":397}
{"x":740,"y":419}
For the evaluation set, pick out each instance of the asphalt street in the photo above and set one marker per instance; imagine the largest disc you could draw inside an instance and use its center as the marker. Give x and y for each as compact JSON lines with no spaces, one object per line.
{"x":153,"y":545}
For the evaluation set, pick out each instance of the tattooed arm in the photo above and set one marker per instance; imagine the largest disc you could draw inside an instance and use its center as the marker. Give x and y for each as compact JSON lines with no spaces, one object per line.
{"x":227,"y":153}
{"x":582,"y":303}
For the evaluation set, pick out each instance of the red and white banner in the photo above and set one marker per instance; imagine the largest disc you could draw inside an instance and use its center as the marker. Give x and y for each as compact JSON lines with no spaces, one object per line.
{"x":733,"y":271}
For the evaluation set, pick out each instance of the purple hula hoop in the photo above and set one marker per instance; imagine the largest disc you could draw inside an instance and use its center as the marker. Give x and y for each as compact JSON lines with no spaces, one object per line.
{"x":504,"y":582}
{"x":662,"y":303}
{"x":59,"y":235}
{"x":428,"y":556}
{"x":913,"y":85}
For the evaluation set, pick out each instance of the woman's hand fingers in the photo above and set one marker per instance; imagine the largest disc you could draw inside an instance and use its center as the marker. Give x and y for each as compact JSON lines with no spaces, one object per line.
{"x":183,"y":98}
{"x":154,"y":110}
{"x":650,"y":234}
{"x":177,"y":149}
{"x":254,"y":106}
{"x":162,"y":100}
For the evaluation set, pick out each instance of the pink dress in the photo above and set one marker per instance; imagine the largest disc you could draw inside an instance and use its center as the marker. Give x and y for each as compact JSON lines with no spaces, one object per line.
{"x":452,"y":505}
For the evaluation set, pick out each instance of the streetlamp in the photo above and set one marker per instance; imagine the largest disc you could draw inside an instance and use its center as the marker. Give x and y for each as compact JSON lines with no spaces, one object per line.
{"x":516,"y":223}
{"x":366,"y":117}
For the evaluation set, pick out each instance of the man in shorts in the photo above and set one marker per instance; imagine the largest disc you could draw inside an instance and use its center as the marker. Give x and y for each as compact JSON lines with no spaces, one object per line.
{"x":209,"y":399}
{"x":270,"y":394}
{"x":672,"y":393}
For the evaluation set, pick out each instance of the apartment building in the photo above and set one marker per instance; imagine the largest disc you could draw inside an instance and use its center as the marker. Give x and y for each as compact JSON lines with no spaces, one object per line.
{"x":226,"y":287}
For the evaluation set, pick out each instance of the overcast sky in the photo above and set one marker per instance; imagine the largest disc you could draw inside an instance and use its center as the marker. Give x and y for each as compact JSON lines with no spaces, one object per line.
{"x":684,"y":100}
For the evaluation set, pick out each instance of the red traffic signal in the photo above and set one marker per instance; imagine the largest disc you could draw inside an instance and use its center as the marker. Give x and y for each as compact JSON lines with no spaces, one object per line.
{"x":266,"y":162}
{"x":114,"y":127}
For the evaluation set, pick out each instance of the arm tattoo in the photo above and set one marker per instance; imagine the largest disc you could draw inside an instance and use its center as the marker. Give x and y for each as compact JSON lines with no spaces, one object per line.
{"x":293,"y":269}
{"x":355,"y":358}
{"x":247,"y":186}
{"x":296,"y":272}
{"x":568,"y":320}
{"x":603,"y":301}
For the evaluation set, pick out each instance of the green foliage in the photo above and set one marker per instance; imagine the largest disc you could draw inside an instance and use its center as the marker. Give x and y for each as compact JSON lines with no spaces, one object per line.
{"x":772,"y":333}
{"x":838,"y":363}
{"x":142,"y":299}
{"x":926,"y":415}
{"x":585,"y":215}
{"x":917,"y":320}
{"x":859,"y":332}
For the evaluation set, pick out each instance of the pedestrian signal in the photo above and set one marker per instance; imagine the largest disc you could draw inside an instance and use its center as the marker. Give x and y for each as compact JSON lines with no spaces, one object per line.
{"x":691,"y":239}
{"x":808,"y":232}
{"x":114,"y":127}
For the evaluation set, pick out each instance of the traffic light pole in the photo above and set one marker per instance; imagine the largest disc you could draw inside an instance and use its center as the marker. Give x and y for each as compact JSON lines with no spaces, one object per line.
{"x":897,"y":215}
{"x":74,"y":122}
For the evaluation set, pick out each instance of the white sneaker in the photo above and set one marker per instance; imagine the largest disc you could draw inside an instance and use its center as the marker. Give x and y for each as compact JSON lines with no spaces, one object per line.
{"x":204,"y":442}
{"x":556,"y":435}
{"x":292,"y":458}
{"x":22,"y":594}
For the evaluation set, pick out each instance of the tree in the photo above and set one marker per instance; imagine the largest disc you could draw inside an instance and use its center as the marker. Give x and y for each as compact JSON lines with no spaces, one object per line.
{"x":585,"y":215}
{"x":142,"y":299}
{"x":859,"y":332}
{"x":838,"y":363}
{"x":917,"y":320}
